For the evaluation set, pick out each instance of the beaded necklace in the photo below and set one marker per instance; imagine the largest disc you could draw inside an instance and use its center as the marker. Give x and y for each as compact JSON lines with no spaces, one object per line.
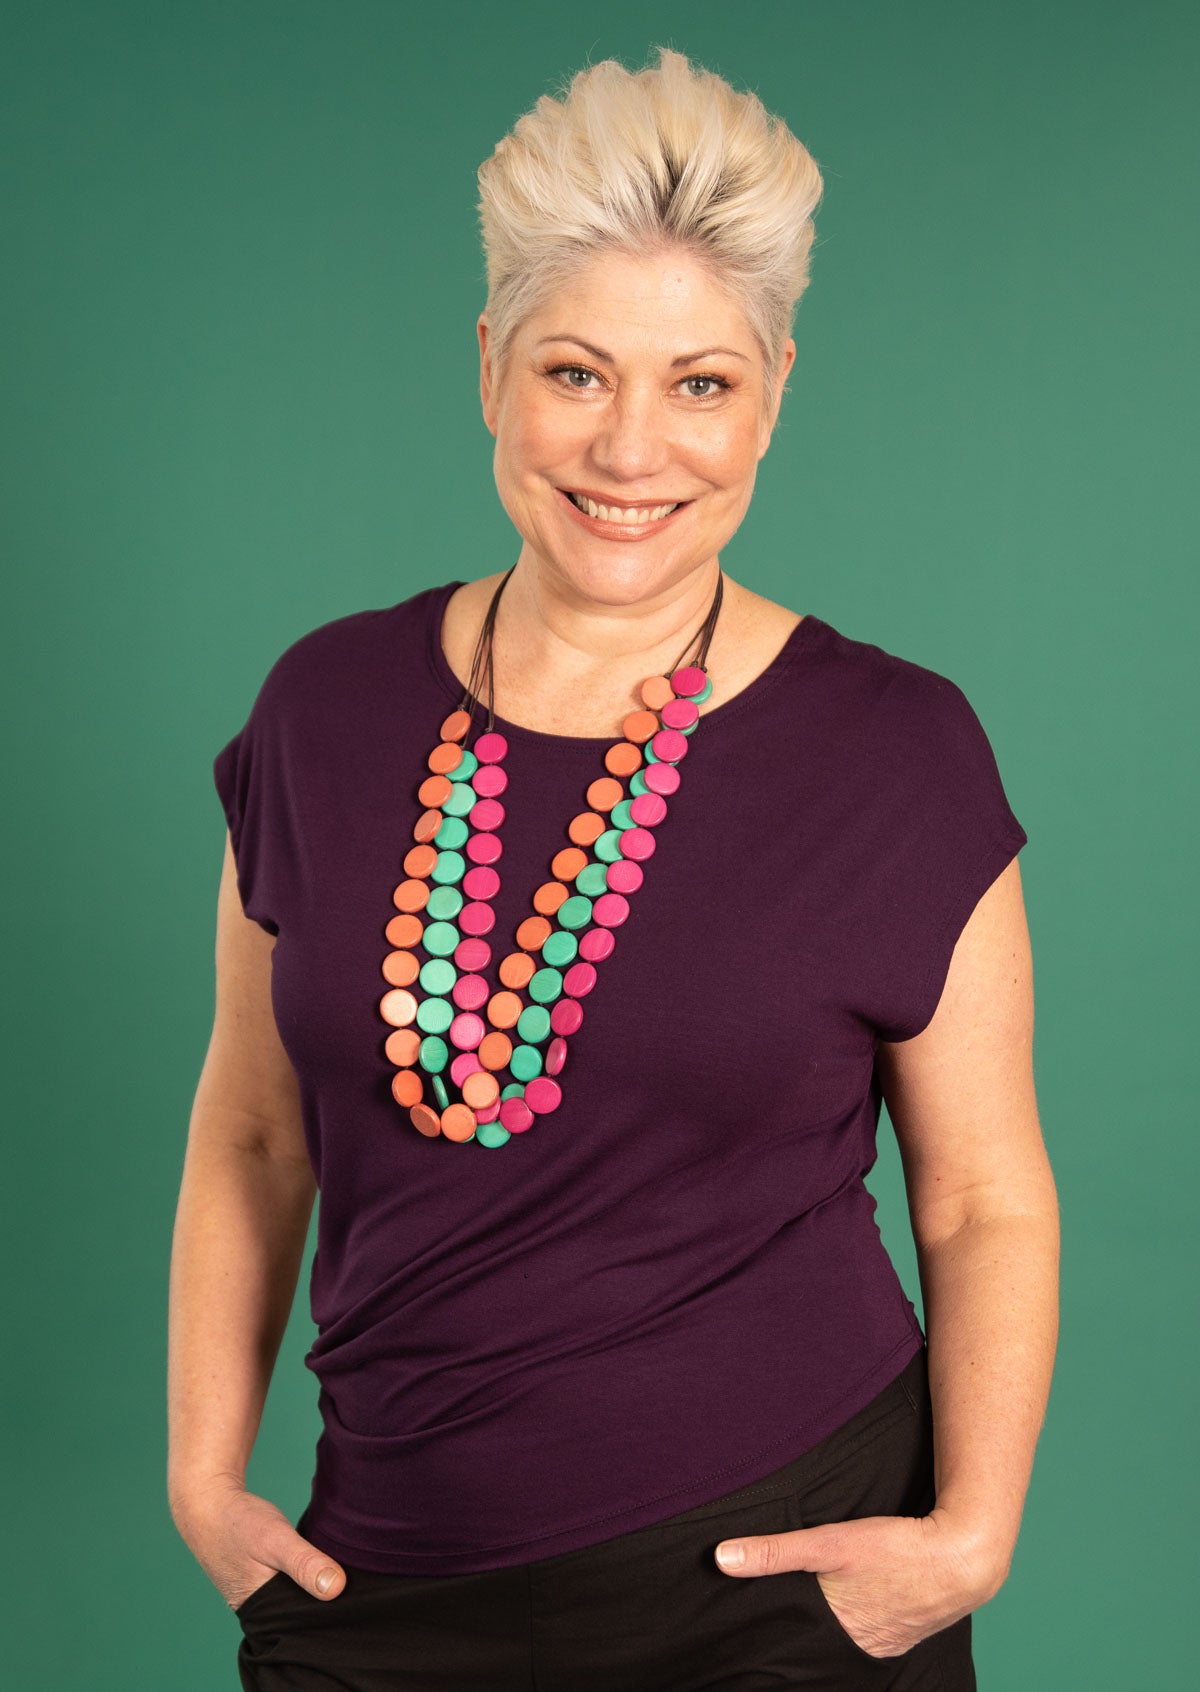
{"x":474,"y":1063}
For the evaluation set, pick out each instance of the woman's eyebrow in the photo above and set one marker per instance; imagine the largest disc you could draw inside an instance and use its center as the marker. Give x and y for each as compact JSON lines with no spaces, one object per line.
{"x":607,"y":358}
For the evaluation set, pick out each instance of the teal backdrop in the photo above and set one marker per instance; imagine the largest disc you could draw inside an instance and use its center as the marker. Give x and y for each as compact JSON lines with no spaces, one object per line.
{"x":241,"y":274}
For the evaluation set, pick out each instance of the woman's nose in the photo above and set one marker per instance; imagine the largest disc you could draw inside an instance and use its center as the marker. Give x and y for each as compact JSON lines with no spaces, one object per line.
{"x":632,"y":439}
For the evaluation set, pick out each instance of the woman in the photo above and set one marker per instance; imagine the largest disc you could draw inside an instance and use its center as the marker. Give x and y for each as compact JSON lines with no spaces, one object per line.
{"x":574,"y":922}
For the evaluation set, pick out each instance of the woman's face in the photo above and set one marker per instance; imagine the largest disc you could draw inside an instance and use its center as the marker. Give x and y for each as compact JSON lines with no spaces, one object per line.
{"x":639,"y":386}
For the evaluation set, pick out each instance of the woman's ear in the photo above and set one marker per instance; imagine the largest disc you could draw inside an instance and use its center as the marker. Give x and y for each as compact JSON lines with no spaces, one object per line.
{"x":486,"y":383}
{"x":785,"y":365}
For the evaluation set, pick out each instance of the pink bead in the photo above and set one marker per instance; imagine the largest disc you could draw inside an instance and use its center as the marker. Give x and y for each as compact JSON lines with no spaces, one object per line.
{"x":470,"y":991}
{"x":466,"y":1031}
{"x":487,"y":1113}
{"x":481,"y":882}
{"x":542,"y":1094}
{"x":491,"y":748}
{"x":567,"y":1016}
{"x":556,"y":1055}
{"x":472,"y":954}
{"x":476,"y":918}
{"x":637,"y":843}
{"x":680,"y":713}
{"x":485,"y":848}
{"x":466,"y":1063}
{"x":689,"y":680}
{"x":488,"y":780}
{"x":669,"y":745}
{"x":623,"y":876}
{"x":515,"y":1115}
{"x":611,"y":909}
{"x":595,"y":946}
{"x":489,"y":813}
{"x":579,"y":979}
{"x":661,"y":778}
{"x":648,"y":809}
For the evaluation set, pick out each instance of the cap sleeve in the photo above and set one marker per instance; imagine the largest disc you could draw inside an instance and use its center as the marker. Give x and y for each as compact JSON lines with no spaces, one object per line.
{"x":249,"y":776}
{"x":948,"y":833}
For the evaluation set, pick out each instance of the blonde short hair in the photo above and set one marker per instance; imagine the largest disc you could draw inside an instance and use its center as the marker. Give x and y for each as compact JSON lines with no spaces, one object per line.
{"x":670,"y":155}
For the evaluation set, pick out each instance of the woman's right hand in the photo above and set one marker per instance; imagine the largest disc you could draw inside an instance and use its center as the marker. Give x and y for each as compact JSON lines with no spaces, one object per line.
{"x":241,"y":1540}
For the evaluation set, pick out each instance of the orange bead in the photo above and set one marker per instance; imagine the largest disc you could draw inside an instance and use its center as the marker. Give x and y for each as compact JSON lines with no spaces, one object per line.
{"x":533,"y":933}
{"x":425,"y":1118}
{"x":405,"y":930}
{"x":402,"y":1046}
{"x":623,"y":758}
{"x":480,"y":1089}
{"x":586,"y":828}
{"x":456,"y":725}
{"x":567,"y":864}
{"x":548,"y":898}
{"x":407,"y":1088}
{"x":640,"y":725}
{"x":494,"y":1050}
{"x":445,"y":757}
{"x":427,"y":825}
{"x":412,"y":895}
{"x":516,"y":969}
{"x":398,"y":1007}
{"x":657,"y":691}
{"x":458,"y":1122}
{"x":604,"y":793}
{"x":434,"y":790}
{"x":503,"y":1010}
{"x":401,"y":970}
{"x":419,"y":860}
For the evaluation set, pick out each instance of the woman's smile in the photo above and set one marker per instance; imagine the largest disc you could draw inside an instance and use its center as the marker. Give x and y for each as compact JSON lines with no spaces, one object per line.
{"x":619,"y":522}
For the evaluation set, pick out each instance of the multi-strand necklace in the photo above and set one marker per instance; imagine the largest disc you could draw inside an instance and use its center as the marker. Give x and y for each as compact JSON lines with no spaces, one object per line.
{"x":476,"y":1061}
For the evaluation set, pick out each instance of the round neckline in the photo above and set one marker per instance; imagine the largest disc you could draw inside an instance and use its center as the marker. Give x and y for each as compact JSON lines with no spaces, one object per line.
{"x":439,"y":598}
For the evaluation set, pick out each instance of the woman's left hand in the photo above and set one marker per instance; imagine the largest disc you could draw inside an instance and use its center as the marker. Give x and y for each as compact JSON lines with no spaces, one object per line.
{"x":889,"y":1580}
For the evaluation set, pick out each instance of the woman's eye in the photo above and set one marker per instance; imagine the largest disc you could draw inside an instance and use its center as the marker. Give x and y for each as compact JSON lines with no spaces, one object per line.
{"x":716,"y":385}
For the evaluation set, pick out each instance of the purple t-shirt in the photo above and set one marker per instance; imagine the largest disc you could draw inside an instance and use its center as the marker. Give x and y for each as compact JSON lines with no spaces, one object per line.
{"x":674,"y":1283}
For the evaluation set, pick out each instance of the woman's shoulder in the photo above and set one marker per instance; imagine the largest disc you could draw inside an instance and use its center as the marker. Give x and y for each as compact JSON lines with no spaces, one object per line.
{"x":345,"y":646}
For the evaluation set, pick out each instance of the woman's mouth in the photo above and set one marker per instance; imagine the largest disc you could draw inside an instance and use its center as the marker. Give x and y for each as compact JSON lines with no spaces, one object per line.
{"x":625,"y":519}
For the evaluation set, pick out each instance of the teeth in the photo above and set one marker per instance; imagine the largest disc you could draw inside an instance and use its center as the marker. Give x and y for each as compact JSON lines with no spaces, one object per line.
{"x":621,"y":514}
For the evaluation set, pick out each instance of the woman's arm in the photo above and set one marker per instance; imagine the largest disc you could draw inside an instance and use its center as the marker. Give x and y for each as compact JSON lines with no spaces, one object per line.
{"x":985,"y":1221}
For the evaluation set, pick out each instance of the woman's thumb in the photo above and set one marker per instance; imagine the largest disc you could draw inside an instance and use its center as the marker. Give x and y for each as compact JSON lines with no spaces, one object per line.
{"x":315,"y":1570}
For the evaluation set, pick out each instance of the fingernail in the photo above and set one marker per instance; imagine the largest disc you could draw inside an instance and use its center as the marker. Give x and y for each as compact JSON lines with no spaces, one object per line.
{"x":325,"y":1580}
{"x":731,"y":1555}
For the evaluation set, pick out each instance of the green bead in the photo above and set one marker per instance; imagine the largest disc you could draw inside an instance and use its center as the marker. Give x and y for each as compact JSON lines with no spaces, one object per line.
{"x":491,"y":1133}
{"x":560,"y":948}
{"x":433,"y":1054}
{"x":444,"y":903}
{"x":691,"y":728}
{"x":450,"y":866}
{"x":435,"y":1015}
{"x":699,"y":698}
{"x":440,"y":1093}
{"x":453,"y":832}
{"x":438,"y":975}
{"x":592,"y":880}
{"x":533,"y":1024}
{"x":652,"y":756}
{"x":460,"y":799}
{"x":545,"y":985}
{"x":525,"y":1062}
{"x":576,"y":912}
{"x":619,"y":815}
{"x":514,"y":1090}
{"x":637,"y":783}
{"x":607,"y":848}
{"x":465,"y":770}
{"x":440,"y":939}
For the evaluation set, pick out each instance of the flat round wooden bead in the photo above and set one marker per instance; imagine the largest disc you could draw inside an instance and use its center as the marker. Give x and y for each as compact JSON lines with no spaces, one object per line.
{"x":491,"y":1131}
{"x":648,"y":809}
{"x":419,"y":861}
{"x":704,"y":691}
{"x":490,"y":748}
{"x":440,"y":939}
{"x":405,"y":930}
{"x":445,"y":757}
{"x":585,"y":827}
{"x":481,"y":882}
{"x":596,"y":945}
{"x":411,"y":895}
{"x":575,"y":912}
{"x":604,"y":793}
{"x":681,"y":714}
{"x":494,"y":1051}
{"x":545,"y":985}
{"x":549,"y":897}
{"x":515,"y":1115}
{"x":435,"y":1015}
{"x":637,"y":843}
{"x":533,"y":1024}
{"x":461,"y":799}
{"x":579,"y":980}
{"x":689,"y":681}
{"x":433,"y":791}
{"x":477,"y":918}
{"x":591,"y":881}
{"x":556,"y":1055}
{"x":467,"y":1030}
{"x":543,"y":1095}
{"x":662,"y":778}
{"x":453,"y":833}
{"x":427,"y":825}
{"x":623,"y":758}
{"x":486,"y":813}
{"x":441,"y":1097}
{"x":625,"y":876}
{"x":398,"y":1007}
{"x":400,"y":969}
{"x":449,"y":866}
{"x":516,"y":969}
{"x":458,"y":1122}
{"x":480,"y":1090}
{"x":465,"y":770}
{"x":532,"y":932}
{"x":611,"y":909}
{"x":656,"y":690}
{"x":560,"y":948}
{"x":444,"y":904}
{"x":488,"y":1113}
{"x":525,"y":1063}
{"x":407,"y":1087}
{"x":484,"y":848}
{"x":438,"y":976}
{"x":639,"y":726}
{"x":620,"y":817}
{"x":456,"y":725}
{"x":608,"y":847}
{"x":434,"y":1054}
{"x":670,"y":745}
{"x":462,"y":1065}
{"x":470,"y":992}
{"x":566,"y":865}
{"x":503,"y":1010}
{"x":402,"y":1046}
{"x":472,"y":954}
{"x":427,"y":1120}
{"x":567,"y":1016}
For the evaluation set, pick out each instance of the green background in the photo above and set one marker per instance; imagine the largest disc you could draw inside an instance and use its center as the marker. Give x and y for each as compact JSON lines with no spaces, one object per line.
{"x":239,"y":288}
